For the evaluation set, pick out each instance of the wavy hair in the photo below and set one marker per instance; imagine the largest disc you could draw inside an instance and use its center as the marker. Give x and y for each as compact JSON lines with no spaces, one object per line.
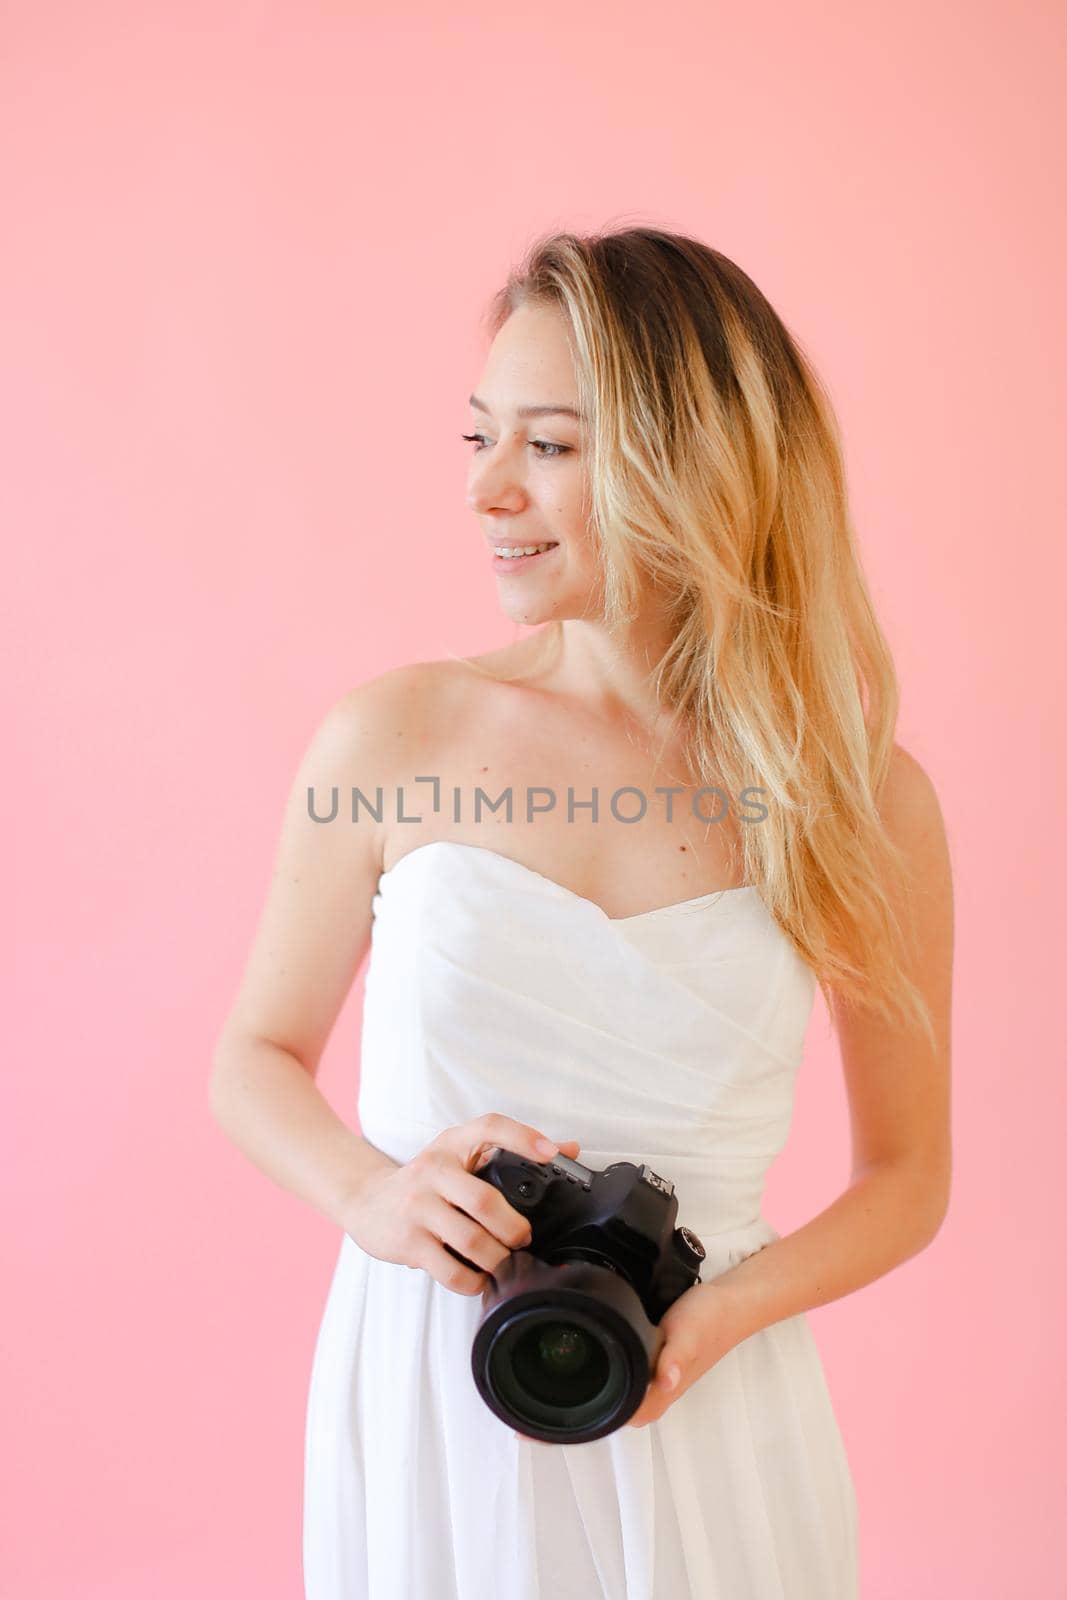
{"x":717,"y":476}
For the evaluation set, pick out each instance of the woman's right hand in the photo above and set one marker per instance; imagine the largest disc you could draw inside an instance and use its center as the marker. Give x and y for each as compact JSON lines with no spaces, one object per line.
{"x":408,"y":1213}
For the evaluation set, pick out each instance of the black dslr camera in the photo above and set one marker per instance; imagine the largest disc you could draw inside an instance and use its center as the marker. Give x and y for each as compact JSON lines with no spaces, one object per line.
{"x":568,"y":1337}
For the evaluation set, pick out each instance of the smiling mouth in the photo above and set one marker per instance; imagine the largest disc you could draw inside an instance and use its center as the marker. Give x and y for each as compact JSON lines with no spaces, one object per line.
{"x":516,"y":563}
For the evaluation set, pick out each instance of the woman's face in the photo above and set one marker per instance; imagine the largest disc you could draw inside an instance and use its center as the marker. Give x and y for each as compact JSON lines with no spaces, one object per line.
{"x":528,"y":480}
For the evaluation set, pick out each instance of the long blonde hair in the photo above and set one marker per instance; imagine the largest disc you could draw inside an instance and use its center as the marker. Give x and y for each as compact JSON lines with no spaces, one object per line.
{"x":717,"y":475}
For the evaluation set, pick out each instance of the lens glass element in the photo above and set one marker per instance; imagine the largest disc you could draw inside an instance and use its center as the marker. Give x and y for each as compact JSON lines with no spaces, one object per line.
{"x":557,"y":1370}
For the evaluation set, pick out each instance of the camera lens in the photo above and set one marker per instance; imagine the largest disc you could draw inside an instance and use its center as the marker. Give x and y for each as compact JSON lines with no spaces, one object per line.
{"x":559,"y":1364}
{"x":559,"y":1372}
{"x":564,"y":1348}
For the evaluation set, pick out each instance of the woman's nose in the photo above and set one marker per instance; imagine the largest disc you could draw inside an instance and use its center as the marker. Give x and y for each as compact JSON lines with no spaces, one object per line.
{"x":495,"y":491}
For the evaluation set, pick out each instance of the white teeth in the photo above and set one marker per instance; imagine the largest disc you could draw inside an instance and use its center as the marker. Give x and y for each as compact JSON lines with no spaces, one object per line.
{"x":525,"y":550}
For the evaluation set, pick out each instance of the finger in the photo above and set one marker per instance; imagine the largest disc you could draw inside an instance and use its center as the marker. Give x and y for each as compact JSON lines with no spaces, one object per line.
{"x":658,"y":1396}
{"x":435,"y":1260}
{"x":668,"y":1374}
{"x":465,"y":1234}
{"x":486,"y":1205}
{"x":496,"y":1129}
{"x":485,"y":1153}
{"x":650,"y":1410}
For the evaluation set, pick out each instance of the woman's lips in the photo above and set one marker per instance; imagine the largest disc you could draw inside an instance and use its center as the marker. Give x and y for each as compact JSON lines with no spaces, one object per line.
{"x":520,"y":563}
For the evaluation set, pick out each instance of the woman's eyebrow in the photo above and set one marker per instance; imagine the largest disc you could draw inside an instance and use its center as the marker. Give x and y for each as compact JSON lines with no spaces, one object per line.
{"x":531,"y":411}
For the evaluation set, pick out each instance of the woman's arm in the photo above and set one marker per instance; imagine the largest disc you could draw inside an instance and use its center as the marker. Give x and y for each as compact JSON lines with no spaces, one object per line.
{"x":267,"y":1103}
{"x":313,"y":934}
{"x":899,"y":1105}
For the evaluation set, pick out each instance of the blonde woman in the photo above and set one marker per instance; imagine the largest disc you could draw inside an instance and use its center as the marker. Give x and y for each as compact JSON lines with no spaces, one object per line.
{"x":708,"y":819}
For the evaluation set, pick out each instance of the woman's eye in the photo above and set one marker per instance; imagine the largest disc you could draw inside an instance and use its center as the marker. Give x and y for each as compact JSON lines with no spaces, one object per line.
{"x":479,"y":440}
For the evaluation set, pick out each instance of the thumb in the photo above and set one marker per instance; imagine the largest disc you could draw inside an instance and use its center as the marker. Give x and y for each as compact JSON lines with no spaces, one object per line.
{"x":668,"y":1368}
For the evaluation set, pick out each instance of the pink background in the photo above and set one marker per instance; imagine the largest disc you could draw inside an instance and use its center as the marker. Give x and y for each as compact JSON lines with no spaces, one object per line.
{"x":245,"y":251}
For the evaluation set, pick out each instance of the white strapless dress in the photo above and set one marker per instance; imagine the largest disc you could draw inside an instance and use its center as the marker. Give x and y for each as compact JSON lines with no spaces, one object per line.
{"x":672,"y":1037}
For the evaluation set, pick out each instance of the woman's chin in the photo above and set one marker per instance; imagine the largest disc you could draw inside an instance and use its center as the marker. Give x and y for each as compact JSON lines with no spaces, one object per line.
{"x":529,"y":612}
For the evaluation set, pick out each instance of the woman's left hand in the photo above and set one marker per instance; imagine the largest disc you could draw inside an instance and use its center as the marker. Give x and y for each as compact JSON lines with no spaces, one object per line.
{"x":699,"y":1328}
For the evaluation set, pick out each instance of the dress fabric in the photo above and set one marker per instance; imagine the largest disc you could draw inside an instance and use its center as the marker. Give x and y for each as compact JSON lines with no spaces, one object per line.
{"x":671,"y":1037}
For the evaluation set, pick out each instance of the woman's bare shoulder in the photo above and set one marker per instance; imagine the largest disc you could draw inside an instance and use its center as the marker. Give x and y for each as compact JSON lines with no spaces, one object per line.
{"x":401,"y":703}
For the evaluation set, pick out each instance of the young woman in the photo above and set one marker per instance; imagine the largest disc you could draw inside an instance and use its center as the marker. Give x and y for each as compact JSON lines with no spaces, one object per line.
{"x":708,"y":819}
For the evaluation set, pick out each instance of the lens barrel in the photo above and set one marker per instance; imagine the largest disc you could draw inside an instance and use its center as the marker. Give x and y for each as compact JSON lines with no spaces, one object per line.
{"x":563,"y":1351}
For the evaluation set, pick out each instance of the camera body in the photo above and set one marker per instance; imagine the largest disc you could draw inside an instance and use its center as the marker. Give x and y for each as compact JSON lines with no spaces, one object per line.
{"x":569,"y":1333}
{"x":622,"y":1217}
